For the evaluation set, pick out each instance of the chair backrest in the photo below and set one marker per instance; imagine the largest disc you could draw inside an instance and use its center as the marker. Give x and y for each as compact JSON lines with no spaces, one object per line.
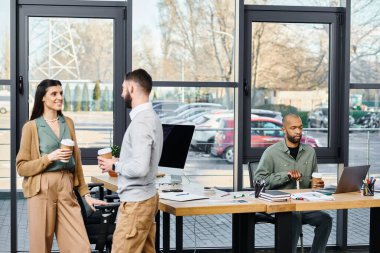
{"x":251,"y":172}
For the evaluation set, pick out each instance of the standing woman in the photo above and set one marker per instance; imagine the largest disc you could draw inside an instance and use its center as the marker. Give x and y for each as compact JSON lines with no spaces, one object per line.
{"x":48,"y":183}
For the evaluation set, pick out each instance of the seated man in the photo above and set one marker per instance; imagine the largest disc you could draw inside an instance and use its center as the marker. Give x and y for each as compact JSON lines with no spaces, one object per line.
{"x":285,"y":163}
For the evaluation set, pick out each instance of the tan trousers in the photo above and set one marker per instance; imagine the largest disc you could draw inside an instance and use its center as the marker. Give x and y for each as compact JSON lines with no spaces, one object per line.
{"x":56,"y":210}
{"x":136,"y":227}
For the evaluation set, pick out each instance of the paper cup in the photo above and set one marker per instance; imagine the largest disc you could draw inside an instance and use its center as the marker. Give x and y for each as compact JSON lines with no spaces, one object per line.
{"x":315,"y":177}
{"x":107,"y":153}
{"x":67,"y":144}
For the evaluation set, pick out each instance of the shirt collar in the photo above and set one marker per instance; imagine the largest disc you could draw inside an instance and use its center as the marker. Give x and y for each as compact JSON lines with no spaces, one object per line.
{"x":286,"y":149}
{"x":139,"y":108}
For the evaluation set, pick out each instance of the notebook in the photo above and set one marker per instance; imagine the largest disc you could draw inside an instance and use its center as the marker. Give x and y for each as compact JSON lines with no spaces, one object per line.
{"x":350,"y":181}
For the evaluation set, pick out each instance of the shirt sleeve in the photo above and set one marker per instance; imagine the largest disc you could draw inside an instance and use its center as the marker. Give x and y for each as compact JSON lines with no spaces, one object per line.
{"x":141,"y":141}
{"x":26,"y":166}
{"x":265,"y":171}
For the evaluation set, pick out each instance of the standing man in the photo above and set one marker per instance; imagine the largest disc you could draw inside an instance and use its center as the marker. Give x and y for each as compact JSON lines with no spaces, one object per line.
{"x":285,"y":163}
{"x":137,"y":169}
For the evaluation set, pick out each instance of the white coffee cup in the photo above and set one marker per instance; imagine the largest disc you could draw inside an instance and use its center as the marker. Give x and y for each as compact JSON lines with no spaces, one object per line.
{"x":105,"y":153}
{"x":67,"y":144}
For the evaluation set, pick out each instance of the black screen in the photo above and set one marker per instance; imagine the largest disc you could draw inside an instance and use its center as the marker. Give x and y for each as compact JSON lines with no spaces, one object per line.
{"x":177,"y":139}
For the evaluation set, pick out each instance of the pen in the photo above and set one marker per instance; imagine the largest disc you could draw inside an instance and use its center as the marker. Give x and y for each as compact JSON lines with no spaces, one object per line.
{"x":238,"y":196}
{"x":227,"y":194}
{"x":181,"y":194}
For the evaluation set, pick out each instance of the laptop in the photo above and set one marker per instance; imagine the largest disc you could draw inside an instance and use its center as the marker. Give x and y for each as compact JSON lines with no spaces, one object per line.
{"x":351,"y":180}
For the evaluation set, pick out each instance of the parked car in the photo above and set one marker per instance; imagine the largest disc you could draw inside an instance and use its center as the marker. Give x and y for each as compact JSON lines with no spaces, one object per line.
{"x":183,"y":116}
{"x":267,"y":113}
{"x":206,"y":126}
{"x":164,"y":106}
{"x":185,"y":107}
{"x":319,"y":118}
{"x":264,"y":132}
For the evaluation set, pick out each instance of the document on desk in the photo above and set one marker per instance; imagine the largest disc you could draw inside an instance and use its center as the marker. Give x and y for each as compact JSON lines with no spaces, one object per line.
{"x":181,"y":196}
{"x":312,"y":196}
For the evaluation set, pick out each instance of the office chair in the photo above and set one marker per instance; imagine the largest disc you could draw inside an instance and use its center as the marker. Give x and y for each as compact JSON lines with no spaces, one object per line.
{"x":265,"y":217}
{"x":100,"y":224}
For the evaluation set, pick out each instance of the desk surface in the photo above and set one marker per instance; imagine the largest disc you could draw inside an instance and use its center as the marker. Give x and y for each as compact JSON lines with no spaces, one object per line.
{"x":342,"y":201}
{"x":214,"y":205}
{"x":223,"y":205}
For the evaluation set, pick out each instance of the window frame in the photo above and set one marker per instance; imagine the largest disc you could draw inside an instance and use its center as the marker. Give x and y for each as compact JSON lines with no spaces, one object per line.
{"x":334,"y":16}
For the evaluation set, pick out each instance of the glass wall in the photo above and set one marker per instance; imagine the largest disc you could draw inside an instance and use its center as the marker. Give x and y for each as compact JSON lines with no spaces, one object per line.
{"x":5,"y":40}
{"x":5,"y":131}
{"x":185,"y":40}
{"x":365,"y":36}
{"x":290,"y":74}
{"x":79,"y":53}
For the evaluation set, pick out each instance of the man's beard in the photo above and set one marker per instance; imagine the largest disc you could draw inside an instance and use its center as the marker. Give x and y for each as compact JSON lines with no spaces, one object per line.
{"x":128,"y":101}
{"x":292,"y":139}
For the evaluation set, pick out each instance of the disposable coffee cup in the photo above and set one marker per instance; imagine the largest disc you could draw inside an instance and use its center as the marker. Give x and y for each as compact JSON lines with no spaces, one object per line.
{"x":67,"y":144}
{"x":105,"y":153}
{"x":315,"y":177}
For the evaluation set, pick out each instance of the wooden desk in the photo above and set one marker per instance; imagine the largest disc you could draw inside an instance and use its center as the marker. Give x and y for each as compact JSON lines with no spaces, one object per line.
{"x":243,"y":214}
{"x":342,"y":201}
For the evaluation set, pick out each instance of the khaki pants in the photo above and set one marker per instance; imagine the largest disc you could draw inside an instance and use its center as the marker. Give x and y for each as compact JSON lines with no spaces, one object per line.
{"x":136,"y":227}
{"x":55,"y":210}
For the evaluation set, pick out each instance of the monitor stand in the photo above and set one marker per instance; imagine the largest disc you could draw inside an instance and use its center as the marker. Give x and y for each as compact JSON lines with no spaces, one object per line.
{"x":175,"y":179}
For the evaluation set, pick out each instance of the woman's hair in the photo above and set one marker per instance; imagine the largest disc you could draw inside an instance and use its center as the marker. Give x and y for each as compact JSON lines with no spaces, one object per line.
{"x":38,"y":107}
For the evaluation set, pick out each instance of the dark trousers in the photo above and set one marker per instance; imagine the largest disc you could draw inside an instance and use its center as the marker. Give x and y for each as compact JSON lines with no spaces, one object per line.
{"x":322,"y":223}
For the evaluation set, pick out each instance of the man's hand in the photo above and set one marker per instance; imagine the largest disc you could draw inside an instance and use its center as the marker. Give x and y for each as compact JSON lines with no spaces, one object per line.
{"x":317,"y":183}
{"x":294,"y":174}
{"x":106,"y":164}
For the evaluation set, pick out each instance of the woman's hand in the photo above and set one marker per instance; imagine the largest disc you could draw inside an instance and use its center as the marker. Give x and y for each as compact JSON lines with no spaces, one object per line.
{"x":60,"y":154}
{"x":92,"y":202}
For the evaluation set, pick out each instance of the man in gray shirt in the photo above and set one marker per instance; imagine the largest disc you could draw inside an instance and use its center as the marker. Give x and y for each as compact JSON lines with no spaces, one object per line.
{"x":137,"y":169}
{"x":288,"y":163}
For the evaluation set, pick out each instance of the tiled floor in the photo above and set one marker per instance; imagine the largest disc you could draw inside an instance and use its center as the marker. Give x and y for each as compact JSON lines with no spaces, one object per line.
{"x":210,"y":231}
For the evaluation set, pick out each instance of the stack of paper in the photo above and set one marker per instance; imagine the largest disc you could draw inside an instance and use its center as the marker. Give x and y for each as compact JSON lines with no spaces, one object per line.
{"x":180,"y":196}
{"x":312,"y":196}
{"x":274,"y":196}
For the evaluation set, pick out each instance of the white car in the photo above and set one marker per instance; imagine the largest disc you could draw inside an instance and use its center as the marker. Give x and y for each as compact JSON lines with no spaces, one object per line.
{"x":205,"y":130}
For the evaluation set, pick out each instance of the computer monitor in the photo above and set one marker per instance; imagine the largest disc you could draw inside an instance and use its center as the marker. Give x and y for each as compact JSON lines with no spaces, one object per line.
{"x":177,"y":139}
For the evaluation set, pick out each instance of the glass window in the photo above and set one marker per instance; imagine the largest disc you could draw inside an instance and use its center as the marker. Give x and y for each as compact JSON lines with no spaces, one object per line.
{"x":5,"y":166}
{"x":5,"y":51}
{"x":322,"y":3}
{"x":364,"y":129}
{"x":185,"y":40}
{"x":365,"y":35}
{"x":211,"y":150}
{"x":290,"y":69}
{"x":79,"y":53}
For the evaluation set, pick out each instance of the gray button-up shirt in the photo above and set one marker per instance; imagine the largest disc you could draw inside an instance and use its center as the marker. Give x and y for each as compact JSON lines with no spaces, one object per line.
{"x":276,"y":161}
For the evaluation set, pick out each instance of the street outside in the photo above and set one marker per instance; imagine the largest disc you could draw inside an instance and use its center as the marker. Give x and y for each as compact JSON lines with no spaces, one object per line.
{"x":200,"y":167}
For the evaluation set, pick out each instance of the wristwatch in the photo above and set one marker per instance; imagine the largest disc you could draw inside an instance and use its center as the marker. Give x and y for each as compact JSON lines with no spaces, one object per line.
{"x":114,"y":166}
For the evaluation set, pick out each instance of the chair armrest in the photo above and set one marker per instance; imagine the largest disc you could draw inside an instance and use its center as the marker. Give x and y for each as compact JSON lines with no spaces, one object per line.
{"x":111,"y":197}
{"x":110,"y":206}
